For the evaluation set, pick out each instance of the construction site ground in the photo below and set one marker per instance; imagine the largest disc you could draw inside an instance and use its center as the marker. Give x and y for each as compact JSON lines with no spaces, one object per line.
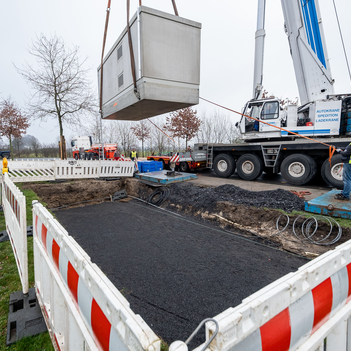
{"x":207,"y":248}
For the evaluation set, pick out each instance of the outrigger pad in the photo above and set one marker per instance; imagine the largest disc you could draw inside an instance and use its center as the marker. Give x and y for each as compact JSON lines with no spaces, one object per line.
{"x":25,"y":317}
{"x":5,"y":237}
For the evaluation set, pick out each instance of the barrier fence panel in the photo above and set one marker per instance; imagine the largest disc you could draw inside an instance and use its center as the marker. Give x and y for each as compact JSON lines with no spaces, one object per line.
{"x":82,"y":308}
{"x":76,"y":169}
{"x":305,"y":310}
{"x":31,"y":171}
{"x":116,"y":168}
{"x":14,"y":207}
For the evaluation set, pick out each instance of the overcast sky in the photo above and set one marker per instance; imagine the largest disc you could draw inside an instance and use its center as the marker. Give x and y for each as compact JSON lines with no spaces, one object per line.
{"x":227,"y":48}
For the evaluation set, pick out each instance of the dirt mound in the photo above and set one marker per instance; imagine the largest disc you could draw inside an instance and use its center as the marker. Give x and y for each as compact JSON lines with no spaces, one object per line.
{"x":58,"y":194}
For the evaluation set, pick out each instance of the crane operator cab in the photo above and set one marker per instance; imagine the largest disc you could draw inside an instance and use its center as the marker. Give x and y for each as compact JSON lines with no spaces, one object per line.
{"x":268,"y":111}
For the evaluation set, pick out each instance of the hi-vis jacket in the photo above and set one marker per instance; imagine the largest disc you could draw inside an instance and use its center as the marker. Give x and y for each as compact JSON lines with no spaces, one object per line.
{"x":346,"y":154}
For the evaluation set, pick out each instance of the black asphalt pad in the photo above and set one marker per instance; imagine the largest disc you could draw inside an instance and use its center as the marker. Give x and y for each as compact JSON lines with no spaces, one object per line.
{"x":174,"y":271}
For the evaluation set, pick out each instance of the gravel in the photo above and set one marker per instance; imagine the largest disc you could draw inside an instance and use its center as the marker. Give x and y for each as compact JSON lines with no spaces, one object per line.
{"x":207,"y":198}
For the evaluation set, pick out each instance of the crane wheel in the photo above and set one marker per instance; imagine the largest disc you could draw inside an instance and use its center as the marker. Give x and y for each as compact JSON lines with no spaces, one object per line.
{"x":224,"y":165}
{"x":183,"y":167}
{"x":249,"y":166}
{"x":298,"y":169}
{"x":76,"y":156}
{"x":331,"y":172}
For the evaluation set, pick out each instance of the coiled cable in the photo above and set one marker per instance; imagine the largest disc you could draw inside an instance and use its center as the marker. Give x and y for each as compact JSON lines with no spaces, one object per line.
{"x":159,"y":196}
{"x":309,"y":229}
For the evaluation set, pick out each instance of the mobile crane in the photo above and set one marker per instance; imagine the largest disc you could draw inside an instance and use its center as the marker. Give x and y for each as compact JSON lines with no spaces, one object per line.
{"x":322,"y":116}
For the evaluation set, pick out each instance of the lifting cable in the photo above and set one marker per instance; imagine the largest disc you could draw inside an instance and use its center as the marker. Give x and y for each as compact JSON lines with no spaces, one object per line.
{"x":175,"y":8}
{"x":342,"y":39}
{"x":131,"y":52}
{"x":331,"y":147}
{"x":163,"y":132}
{"x":103,"y":51}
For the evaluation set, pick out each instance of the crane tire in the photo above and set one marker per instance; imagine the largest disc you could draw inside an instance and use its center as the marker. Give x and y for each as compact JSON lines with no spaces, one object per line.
{"x":224,"y":165}
{"x":183,"y":167}
{"x":332,"y":172}
{"x":249,"y":166}
{"x":298,"y":169}
{"x":76,"y":156}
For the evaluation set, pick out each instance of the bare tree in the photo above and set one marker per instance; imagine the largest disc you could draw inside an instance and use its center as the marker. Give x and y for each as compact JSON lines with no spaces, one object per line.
{"x":61,"y":89}
{"x":158,"y":136}
{"x":96,"y":128}
{"x":17,"y":147}
{"x":126,"y":136}
{"x":34,"y":145}
{"x":13,"y":123}
{"x":142,"y":131}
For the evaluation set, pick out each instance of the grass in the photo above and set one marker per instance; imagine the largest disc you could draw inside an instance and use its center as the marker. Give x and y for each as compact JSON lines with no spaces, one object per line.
{"x":10,"y":282}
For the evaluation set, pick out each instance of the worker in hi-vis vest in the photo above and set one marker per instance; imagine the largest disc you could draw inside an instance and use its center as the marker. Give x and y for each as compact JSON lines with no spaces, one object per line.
{"x":133,"y":155}
{"x":346,"y":173}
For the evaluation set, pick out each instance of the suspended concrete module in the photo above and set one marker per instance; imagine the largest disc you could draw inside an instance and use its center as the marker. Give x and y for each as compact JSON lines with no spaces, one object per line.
{"x":166,"y":52}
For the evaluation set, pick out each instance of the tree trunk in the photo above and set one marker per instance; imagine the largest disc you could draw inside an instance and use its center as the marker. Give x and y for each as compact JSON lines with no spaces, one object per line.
{"x":11,"y":148}
{"x":60,"y":124}
{"x":142,"y":147}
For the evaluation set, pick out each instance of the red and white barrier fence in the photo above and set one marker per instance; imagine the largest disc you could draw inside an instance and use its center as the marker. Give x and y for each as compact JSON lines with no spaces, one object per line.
{"x":82,"y":308}
{"x":31,"y":171}
{"x":14,"y":206}
{"x":305,"y":310}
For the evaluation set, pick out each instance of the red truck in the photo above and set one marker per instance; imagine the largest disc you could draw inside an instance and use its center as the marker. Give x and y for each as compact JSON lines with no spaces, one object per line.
{"x":184,"y":161}
{"x":84,"y":149}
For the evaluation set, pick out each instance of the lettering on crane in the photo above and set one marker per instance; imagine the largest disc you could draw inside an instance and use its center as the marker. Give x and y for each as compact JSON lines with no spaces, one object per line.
{"x":326,"y":115}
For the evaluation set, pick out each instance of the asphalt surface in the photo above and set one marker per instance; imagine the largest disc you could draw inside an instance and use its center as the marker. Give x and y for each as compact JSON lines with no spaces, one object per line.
{"x":174,"y":271}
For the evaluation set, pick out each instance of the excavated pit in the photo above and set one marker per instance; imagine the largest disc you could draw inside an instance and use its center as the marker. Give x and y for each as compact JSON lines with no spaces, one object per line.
{"x":251,"y":214}
{"x":177,"y":270}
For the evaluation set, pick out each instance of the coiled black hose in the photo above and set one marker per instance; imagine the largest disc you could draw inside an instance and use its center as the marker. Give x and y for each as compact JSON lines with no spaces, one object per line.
{"x":159,"y":196}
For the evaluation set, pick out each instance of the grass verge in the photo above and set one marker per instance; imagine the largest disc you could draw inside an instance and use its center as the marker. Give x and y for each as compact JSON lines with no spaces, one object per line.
{"x":10,"y":282}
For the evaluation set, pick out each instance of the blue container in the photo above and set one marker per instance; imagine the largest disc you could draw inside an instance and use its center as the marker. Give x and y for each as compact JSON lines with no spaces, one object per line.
{"x":140,"y":166}
{"x":146,"y":166}
{"x":158,"y":165}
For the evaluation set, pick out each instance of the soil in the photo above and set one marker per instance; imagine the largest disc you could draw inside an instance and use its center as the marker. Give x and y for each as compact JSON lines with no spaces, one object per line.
{"x":252,"y":214}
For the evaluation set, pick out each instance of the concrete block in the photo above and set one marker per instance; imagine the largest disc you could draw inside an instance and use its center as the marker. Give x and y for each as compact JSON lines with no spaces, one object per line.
{"x":25,"y":317}
{"x":167,"y":61}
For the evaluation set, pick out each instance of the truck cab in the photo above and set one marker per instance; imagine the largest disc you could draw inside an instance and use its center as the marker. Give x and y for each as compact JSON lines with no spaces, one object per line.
{"x":266,"y":110}
{"x":81,"y":143}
